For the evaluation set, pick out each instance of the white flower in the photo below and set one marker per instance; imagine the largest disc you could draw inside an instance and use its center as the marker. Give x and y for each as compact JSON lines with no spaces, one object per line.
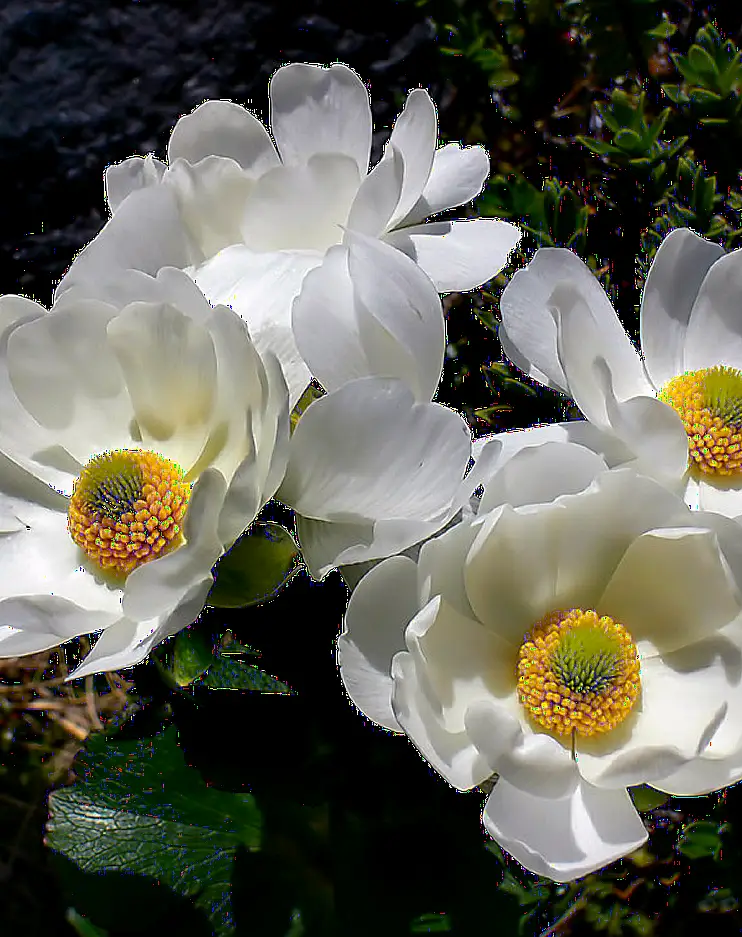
{"x":675,"y":415}
{"x":580,"y":634}
{"x":248,"y":216}
{"x":371,"y":472}
{"x":136,"y":444}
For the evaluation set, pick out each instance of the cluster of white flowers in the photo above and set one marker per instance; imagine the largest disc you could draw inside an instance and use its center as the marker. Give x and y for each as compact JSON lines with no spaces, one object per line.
{"x":573,"y":631}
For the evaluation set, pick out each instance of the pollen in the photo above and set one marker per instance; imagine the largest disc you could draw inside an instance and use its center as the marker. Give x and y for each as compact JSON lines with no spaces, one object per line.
{"x":127,"y":508}
{"x":709,"y":402}
{"x":578,"y":673}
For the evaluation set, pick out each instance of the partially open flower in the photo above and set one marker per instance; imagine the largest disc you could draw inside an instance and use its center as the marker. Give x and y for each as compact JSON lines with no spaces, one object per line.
{"x":676,"y":410}
{"x":579,"y":636}
{"x":248,"y":216}
{"x":136,"y":444}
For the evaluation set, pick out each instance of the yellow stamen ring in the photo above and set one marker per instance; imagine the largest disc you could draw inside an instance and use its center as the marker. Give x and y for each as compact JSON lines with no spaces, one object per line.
{"x":578,"y":672}
{"x":709,"y":402}
{"x":127,"y":507}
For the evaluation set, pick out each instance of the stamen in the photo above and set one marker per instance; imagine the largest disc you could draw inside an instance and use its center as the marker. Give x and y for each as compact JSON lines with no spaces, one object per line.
{"x":709,"y":402}
{"x":126,"y":509}
{"x":578,"y":673}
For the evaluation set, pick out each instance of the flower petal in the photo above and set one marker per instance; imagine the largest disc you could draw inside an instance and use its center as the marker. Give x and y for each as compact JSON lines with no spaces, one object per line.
{"x":564,"y":838}
{"x":378,"y":195}
{"x":212,"y":196}
{"x":121,"y":645}
{"x":145,"y":234}
{"x":326,"y":545}
{"x":529,"y":561}
{"x":127,"y":642}
{"x":320,"y":110}
{"x":539,"y":474}
{"x":441,"y":566}
{"x":580,"y":432}
{"x":528,"y":325}
{"x":649,"y":428}
{"x":43,"y":621}
{"x":534,"y":762}
{"x":135,"y":172}
{"x":585,"y":337}
{"x":720,"y":762}
{"x":368,"y":311}
{"x":301,"y":207}
{"x":170,"y":369}
{"x":414,"y":135}
{"x":39,"y":559}
{"x":258,"y":476}
{"x":676,"y":274}
{"x":462,"y":663}
{"x":457,"y":176}
{"x":223,"y":128}
{"x":672,"y":588}
{"x":22,"y":438}
{"x":700,"y":776}
{"x":369,"y":451}
{"x":714,"y":335}
{"x":379,"y":610}
{"x":452,"y":754}
{"x":641,"y":750}
{"x":66,"y":376}
{"x":260,"y":288}
{"x":723,"y":495}
{"x":458,"y":255}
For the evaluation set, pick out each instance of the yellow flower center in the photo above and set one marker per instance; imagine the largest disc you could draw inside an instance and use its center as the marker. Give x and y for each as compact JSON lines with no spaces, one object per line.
{"x":709,"y":403}
{"x":126,"y":509}
{"x":578,"y":673}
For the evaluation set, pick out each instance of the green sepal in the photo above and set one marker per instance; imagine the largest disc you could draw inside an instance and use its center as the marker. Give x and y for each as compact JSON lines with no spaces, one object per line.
{"x":260,"y":563}
{"x":646,"y":798}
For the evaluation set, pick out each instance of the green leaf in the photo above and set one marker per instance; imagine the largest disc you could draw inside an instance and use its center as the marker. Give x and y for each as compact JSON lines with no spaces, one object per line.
{"x":228,"y":674}
{"x":431,"y":924}
{"x":596,"y":146}
{"x":192,"y":655}
{"x":262,"y":561}
{"x":701,"y":839}
{"x":675,"y":93}
{"x":82,"y":926}
{"x":630,"y":141}
{"x":663,"y":30}
{"x":703,"y":64}
{"x":231,"y":647}
{"x":647,"y":798}
{"x":138,"y":808}
{"x":702,"y":97}
{"x":525,"y":894}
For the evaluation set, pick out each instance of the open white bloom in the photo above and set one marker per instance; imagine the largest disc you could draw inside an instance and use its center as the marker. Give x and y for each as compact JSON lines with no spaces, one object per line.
{"x":676,"y":412}
{"x":248,"y":216}
{"x":580,"y":634}
{"x":136,"y":444}
{"x":371,"y":472}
